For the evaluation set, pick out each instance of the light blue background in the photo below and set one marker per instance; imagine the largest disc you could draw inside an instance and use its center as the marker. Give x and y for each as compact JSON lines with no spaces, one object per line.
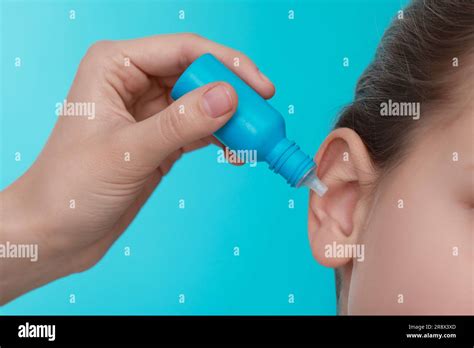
{"x":190,"y":250}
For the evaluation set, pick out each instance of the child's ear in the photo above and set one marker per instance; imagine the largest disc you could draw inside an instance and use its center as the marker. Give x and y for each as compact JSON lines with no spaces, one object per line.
{"x":344,"y":165}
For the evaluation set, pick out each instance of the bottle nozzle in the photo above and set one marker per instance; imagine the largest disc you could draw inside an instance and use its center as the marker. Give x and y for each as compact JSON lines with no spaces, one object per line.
{"x":311,"y":181}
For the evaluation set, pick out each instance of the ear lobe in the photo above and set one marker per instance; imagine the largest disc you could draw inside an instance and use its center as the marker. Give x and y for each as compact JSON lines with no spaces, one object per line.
{"x":335,"y":220}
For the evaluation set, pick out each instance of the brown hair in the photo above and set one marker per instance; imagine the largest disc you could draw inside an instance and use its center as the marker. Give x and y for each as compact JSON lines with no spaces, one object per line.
{"x":415,"y":62}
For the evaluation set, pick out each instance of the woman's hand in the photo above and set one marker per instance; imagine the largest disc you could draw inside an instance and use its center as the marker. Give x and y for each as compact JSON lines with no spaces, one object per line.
{"x":98,"y":169}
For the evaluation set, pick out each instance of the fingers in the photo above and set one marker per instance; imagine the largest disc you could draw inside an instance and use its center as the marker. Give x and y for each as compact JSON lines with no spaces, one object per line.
{"x":167,"y":56}
{"x":235,"y":160}
{"x":192,"y":117}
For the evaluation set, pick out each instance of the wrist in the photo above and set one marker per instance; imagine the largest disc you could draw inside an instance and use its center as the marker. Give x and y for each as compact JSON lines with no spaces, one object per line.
{"x":26,"y":259}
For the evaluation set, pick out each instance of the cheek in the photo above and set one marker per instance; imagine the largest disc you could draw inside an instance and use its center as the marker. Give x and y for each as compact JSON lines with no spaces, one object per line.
{"x":418,"y":259}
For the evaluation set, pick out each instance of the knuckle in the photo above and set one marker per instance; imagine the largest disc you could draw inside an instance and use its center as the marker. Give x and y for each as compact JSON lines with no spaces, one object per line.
{"x":192,"y":36}
{"x":103,"y":58}
{"x":170,"y":125}
{"x":100,"y":49}
{"x":244,"y":58}
{"x":239,"y":54}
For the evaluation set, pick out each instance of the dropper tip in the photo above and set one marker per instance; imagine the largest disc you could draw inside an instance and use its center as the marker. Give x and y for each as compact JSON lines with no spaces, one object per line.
{"x":312,"y":181}
{"x":319,"y":187}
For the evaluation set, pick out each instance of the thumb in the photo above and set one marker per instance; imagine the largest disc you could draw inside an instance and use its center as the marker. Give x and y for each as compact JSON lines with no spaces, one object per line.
{"x":195,"y":115}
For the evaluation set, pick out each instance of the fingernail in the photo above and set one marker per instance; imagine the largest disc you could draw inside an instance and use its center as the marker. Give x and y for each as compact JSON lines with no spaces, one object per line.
{"x":217,"y":101}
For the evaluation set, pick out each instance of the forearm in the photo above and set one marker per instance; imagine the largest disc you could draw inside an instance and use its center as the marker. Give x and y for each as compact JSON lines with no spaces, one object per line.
{"x":26,"y":259}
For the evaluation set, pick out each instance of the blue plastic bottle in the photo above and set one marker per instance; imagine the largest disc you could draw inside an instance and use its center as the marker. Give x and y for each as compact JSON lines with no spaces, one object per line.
{"x":255,"y":126}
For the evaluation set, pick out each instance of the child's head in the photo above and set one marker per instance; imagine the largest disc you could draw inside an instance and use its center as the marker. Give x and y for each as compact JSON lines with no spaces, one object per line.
{"x":397,"y":220}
